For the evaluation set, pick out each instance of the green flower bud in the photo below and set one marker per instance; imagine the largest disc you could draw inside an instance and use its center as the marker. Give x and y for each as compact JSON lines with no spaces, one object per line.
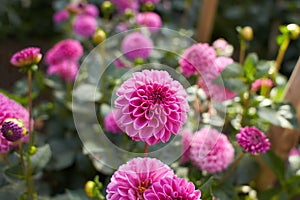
{"x":247,"y":33}
{"x":99,"y":36}
{"x":107,"y":7}
{"x":32,"y":150}
{"x":90,"y":188}
{"x":293,"y":30}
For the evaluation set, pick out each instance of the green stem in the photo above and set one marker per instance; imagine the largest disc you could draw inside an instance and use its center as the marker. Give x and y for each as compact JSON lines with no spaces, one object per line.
{"x":282,"y":49}
{"x":22,"y":157}
{"x":146,"y":149}
{"x":102,"y":68}
{"x":246,"y":104}
{"x":69,"y":90}
{"x":233,"y":166}
{"x":242,"y":51}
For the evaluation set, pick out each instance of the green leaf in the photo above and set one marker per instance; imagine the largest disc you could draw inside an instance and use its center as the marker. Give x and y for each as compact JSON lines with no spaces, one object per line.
{"x":233,"y":84}
{"x":242,"y":176}
{"x":40,"y":159}
{"x":14,"y":173}
{"x":250,"y":65}
{"x":225,"y":191}
{"x":233,"y":70}
{"x":280,"y":114}
{"x":206,"y":189}
{"x":262,"y":68}
{"x":275,"y":163}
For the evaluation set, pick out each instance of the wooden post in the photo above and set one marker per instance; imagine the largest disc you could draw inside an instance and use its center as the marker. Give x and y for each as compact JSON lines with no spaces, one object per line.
{"x":283,"y":140}
{"x":206,"y":18}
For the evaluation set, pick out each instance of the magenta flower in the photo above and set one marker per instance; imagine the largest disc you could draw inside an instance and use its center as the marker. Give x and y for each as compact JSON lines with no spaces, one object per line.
{"x":67,"y":70}
{"x":197,"y":58}
{"x":172,"y":188}
{"x":149,"y":19}
{"x":91,"y":10}
{"x":121,"y":64}
{"x":122,"y":5}
{"x":214,"y":91}
{"x":68,"y":49}
{"x":151,"y":106}
{"x":222,"y":47}
{"x":211,"y":151}
{"x":85,"y":25}
{"x":256,"y":85}
{"x":60,"y":16}
{"x":252,"y":140}
{"x":26,"y":57}
{"x":187,"y":138}
{"x":149,"y":1}
{"x":13,"y":129}
{"x":136,"y":45}
{"x":110,"y":123}
{"x":132,"y":179}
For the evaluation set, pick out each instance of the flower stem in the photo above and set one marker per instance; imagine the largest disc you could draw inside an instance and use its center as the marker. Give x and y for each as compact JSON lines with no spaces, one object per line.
{"x":22,"y":157}
{"x":146,"y":149}
{"x":233,"y":166}
{"x":282,"y":49}
{"x":242,"y":51}
{"x":246,"y":103}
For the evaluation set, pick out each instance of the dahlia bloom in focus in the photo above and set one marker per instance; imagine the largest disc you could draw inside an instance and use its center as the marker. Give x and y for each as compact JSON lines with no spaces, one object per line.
{"x":211,"y":151}
{"x":67,"y":70}
{"x":91,"y":10}
{"x":68,"y":49}
{"x":13,"y":129}
{"x":26,"y":57}
{"x":122,"y":5}
{"x":136,"y":45}
{"x":149,"y":19}
{"x":172,"y":188}
{"x":151,"y":106}
{"x":85,"y":25}
{"x":252,"y":140}
{"x":110,"y":123}
{"x":256,"y":85}
{"x":197,"y":58}
{"x":132,"y":179}
{"x":60,"y":16}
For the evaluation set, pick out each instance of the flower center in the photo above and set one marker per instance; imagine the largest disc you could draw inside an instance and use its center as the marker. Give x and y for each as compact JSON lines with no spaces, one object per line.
{"x":143,"y":186}
{"x":254,"y":138}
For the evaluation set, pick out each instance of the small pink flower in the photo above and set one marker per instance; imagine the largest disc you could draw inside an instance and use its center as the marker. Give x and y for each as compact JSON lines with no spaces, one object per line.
{"x":256,"y":85}
{"x":151,"y":106}
{"x":26,"y":57}
{"x":172,"y":188}
{"x":294,"y":152}
{"x":122,"y":5}
{"x":187,"y":138}
{"x":85,"y":25}
{"x":252,"y":140}
{"x":149,"y":19}
{"x":91,"y":10}
{"x":60,"y":16}
{"x":110,"y":123}
{"x":68,"y":49}
{"x":197,"y":58}
{"x":137,"y":45}
{"x":149,"y":1}
{"x":222,"y":47}
{"x":121,"y":64}
{"x":211,"y":151}
{"x":66,"y":69}
{"x":132,"y":179}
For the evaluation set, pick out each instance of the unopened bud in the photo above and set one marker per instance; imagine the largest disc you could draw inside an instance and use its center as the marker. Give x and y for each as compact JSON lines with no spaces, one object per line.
{"x":294,"y":31}
{"x":247,"y":33}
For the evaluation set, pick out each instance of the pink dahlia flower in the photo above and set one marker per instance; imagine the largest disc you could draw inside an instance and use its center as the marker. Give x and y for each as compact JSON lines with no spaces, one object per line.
{"x":26,"y":57}
{"x":122,"y":5}
{"x":151,"y":106}
{"x":13,"y":129}
{"x":85,"y":25}
{"x":149,"y":1}
{"x":136,"y":45}
{"x":222,"y":47}
{"x":68,"y":49}
{"x":60,"y":16}
{"x":132,"y":179}
{"x":4,"y":145}
{"x":252,"y":140}
{"x":214,"y":91}
{"x":91,"y":10}
{"x":187,"y":138}
{"x":11,"y":109}
{"x":110,"y":123}
{"x":256,"y":85}
{"x":149,"y":19}
{"x":172,"y":188}
{"x":66,"y":69}
{"x":211,"y":151}
{"x":197,"y":58}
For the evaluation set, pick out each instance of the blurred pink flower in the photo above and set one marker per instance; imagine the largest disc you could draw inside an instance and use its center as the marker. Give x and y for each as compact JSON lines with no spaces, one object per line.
{"x":68,"y":49}
{"x":85,"y":25}
{"x":149,"y":19}
{"x":149,"y":1}
{"x":133,"y":178}
{"x":222,"y":47}
{"x":26,"y":57}
{"x":4,"y":145}
{"x":91,"y":10}
{"x":172,"y":188}
{"x":110,"y":123}
{"x":136,"y":45}
{"x":66,"y":69}
{"x":121,"y":64}
{"x":122,"y":5}
{"x":187,"y":138}
{"x":252,"y":140}
{"x":211,"y":151}
{"x":256,"y":85}
{"x":151,"y":106}
{"x":197,"y":59}
{"x":60,"y":16}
